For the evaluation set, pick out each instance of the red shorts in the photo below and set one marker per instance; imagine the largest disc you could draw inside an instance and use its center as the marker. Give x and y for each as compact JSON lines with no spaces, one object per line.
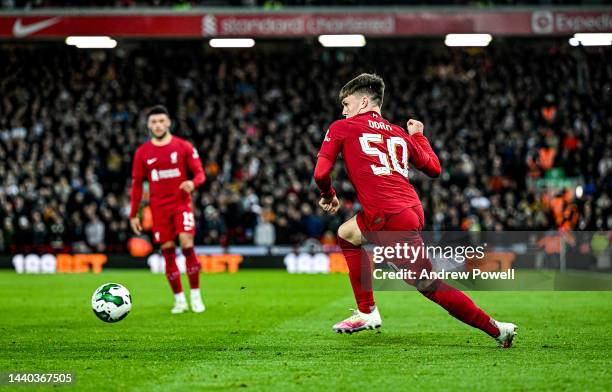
{"x":409,"y":219}
{"x":168,"y":223}
{"x":392,"y":229}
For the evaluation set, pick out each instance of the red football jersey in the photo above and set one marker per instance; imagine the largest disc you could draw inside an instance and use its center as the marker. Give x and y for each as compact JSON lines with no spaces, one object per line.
{"x":165,"y":167}
{"x":377,"y":154}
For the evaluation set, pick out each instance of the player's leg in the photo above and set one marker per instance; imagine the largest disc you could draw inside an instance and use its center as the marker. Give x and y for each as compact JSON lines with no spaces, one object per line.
{"x":185,"y":223}
{"x":460,"y":306}
{"x":366,"y":316}
{"x":174,"y":277}
{"x":163,"y":234}
{"x":350,"y":241}
{"x":456,"y":302}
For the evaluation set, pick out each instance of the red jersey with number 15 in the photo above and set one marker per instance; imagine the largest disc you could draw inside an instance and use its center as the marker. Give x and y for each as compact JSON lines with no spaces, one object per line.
{"x":165,"y":167}
{"x":376,"y":155}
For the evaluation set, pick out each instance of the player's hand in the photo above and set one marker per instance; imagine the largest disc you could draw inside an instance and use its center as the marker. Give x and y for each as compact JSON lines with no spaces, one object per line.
{"x":331,"y":206}
{"x":187,"y":186}
{"x":136,"y":225}
{"x":414,"y":127}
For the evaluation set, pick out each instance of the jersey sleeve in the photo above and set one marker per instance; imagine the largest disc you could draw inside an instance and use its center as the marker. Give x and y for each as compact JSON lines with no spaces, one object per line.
{"x":322,"y":177}
{"x":330,"y":148}
{"x":422,"y":155}
{"x":195,"y":164}
{"x":332,"y":142}
{"x":138,"y":175}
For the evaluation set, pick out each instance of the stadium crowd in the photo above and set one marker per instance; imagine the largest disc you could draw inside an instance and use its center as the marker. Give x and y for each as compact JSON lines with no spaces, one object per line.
{"x":522,"y":130}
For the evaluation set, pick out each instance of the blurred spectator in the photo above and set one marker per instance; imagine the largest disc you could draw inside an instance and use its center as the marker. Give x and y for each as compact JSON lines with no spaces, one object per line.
{"x":264,"y":233}
{"x":94,"y":231}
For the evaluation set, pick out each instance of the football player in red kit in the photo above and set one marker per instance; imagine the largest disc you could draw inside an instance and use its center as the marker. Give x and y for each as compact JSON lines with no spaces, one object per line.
{"x":377,"y":155}
{"x":164,"y":162}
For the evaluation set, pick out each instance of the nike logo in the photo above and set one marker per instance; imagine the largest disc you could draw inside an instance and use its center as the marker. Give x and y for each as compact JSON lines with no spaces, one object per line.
{"x":20,"y":30}
{"x":150,"y":161}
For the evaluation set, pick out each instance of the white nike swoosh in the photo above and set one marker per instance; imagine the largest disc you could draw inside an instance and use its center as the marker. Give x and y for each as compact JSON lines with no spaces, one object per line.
{"x":150,"y":161}
{"x":20,"y":31}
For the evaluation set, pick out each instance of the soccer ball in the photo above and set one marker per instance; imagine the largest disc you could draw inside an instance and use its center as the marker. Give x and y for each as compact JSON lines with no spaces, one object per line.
{"x":111,"y":302}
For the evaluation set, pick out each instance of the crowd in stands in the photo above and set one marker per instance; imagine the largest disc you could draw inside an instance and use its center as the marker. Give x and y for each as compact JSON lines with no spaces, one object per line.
{"x":522,"y":130}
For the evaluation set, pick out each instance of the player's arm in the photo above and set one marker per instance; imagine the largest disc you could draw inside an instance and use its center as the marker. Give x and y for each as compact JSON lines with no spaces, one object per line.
{"x":332,"y":144}
{"x":195,"y":166}
{"x":138,"y":175}
{"x":422,"y":155}
{"x":322,"y":177}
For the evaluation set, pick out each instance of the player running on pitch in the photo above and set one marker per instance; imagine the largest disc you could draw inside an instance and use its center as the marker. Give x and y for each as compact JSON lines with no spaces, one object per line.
{"x":164,"y":161}
{"x":376,"y":155}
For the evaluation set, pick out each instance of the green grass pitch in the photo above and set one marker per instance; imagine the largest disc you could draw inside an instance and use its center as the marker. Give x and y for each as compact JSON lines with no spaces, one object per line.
{"x":268,"y":330}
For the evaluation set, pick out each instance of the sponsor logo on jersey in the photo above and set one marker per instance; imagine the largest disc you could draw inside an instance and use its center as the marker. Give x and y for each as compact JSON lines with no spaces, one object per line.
{"x":157,"y":175}
{"x":173,"y":157}
{"x":379,"y":125}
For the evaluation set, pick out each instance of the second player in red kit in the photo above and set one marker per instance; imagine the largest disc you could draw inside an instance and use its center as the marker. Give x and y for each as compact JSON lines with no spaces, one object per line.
{"x":166,"y":167}
{"x":166,"y":162}
{"x":378,"y":156}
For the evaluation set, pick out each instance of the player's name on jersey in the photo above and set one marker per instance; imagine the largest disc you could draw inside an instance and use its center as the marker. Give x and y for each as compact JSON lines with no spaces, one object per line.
{"x":406,"y":274}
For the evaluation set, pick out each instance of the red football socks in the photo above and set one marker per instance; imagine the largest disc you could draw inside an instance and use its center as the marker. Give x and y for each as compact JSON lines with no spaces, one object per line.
{"x":193,"y":267}
{"x":456,"y":303}
{"x":360,"y":274}
{"x":460,"y":306}
{"x":172,"y":272}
